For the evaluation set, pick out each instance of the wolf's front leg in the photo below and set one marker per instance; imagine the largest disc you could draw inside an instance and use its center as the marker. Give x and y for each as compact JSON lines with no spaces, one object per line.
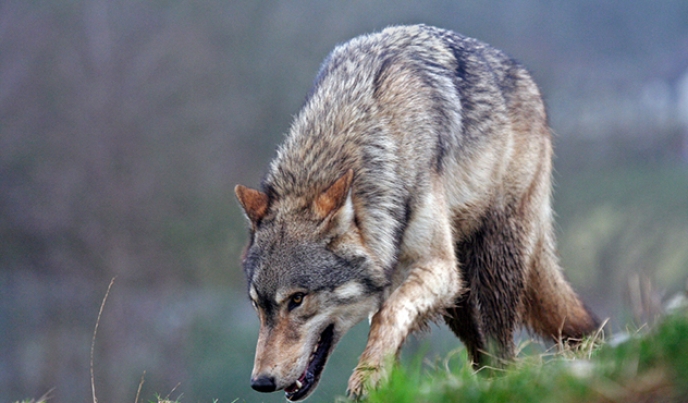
{"x":427,"y":290}
{"x":433,"y":282}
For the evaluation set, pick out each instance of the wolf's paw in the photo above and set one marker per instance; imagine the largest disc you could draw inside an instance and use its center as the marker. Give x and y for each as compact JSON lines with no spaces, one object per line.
{"x":364,"y":378}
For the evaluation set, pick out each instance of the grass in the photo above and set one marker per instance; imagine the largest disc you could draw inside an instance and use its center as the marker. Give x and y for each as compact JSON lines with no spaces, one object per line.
{"x":650,"y":366}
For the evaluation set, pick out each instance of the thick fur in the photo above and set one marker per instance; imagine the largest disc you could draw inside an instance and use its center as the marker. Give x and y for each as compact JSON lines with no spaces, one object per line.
{"x":413,"y":183}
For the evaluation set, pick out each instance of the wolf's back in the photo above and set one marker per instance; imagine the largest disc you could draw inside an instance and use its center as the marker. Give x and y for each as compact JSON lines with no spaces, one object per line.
{"x":394,"y":106}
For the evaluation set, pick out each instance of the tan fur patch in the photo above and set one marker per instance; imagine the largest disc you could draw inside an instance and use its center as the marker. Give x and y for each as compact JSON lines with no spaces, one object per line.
{"x":254,"y":202}
{"x":334,"y":197}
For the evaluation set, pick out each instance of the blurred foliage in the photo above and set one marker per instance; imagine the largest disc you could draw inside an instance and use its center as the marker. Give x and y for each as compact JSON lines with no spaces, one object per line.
{"x":124,"y":126}
{"x":623,"y":222}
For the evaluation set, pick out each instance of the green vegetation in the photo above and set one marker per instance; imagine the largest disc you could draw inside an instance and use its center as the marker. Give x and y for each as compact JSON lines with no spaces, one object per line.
{"x":649,"y":366}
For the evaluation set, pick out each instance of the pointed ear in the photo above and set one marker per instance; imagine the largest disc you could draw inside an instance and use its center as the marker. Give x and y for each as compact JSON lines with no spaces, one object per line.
{"x":254,"y":202}
{"x":334,"y":197}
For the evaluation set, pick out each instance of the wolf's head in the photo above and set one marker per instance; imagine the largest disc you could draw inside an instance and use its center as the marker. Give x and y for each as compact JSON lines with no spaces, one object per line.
{"x":310,"y":279}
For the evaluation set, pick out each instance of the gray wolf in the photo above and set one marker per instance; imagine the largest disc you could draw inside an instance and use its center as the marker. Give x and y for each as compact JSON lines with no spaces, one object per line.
{"x":413,"y":184}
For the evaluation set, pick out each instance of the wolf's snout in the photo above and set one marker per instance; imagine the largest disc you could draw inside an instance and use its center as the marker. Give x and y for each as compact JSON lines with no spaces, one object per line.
{"x":264,"y":384}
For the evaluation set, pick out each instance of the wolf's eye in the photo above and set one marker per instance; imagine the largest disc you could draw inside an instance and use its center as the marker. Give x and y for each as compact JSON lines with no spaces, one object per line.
{"x":295,"y":300}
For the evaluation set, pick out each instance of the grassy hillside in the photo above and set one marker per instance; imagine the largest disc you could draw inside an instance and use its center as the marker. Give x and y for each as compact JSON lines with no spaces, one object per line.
{"x":648,"y":366}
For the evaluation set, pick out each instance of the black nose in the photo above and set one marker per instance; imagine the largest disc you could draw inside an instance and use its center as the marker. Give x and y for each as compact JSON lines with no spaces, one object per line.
{"x":263,"y":384}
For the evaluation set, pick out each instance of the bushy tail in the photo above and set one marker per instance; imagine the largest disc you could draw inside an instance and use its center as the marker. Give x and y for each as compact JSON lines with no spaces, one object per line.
{"x":552,"y":308}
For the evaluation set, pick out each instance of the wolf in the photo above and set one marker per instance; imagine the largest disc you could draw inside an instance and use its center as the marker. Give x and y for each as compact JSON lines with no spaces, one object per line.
{"x":413,"y":185}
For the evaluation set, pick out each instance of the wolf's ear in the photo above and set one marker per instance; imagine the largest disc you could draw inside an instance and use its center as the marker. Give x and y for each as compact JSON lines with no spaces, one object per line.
{"x":334,"y":197}
{"x":254,"y":202}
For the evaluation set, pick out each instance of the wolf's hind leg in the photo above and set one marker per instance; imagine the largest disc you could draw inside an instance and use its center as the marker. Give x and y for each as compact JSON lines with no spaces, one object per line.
{"x":493,"y":264}
{"x":463,"y":320}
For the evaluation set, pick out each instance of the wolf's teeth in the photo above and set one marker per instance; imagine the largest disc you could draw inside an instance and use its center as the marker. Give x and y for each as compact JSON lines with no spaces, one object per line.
{"x":299,"y":385}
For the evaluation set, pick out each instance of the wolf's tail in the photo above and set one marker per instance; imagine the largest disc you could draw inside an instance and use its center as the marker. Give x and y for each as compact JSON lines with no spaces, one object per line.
{"x":552,"y":308}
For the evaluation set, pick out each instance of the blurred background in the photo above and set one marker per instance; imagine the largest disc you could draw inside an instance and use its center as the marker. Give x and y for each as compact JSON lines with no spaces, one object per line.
{"x":124,"y":126}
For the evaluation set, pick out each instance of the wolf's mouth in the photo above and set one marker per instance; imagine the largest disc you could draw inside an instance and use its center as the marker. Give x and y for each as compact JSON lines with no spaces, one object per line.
{"x":310,"y":377}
